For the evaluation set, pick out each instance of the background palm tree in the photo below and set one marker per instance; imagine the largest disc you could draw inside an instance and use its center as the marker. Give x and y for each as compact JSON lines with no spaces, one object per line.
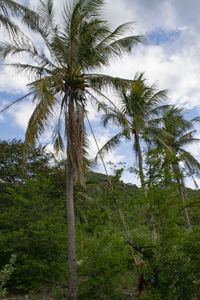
{"x":175,"y":134}
{"x":77,"y":46}
{"x":138,"y":105}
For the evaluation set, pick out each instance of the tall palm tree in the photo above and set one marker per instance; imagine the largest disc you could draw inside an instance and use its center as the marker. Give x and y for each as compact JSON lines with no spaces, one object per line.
{"x":175,"y":134}
{"x":77,"y":47}
{"x":139,"y":104}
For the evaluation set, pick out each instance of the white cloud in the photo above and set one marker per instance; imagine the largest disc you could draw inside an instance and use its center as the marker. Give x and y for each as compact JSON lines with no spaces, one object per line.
{"x":178,"y":72}
{"x":11,"y":82}
{"x":21,"y":113}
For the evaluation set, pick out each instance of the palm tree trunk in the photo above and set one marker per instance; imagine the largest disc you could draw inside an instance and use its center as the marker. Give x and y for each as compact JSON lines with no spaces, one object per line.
{"x":73,"y":287}
{"x":141,"y":174}
{"x":181,"y":190}
{"x":140,"y":162}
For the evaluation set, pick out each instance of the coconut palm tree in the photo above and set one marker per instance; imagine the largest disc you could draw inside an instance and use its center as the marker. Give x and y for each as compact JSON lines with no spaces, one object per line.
{"x":175,"y":134}
{"x":66,"y":75}
{"x":139,"y":104}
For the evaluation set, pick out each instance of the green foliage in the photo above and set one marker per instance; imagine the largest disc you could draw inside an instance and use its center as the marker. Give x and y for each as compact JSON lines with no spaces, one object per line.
{"x":15,"y":170}
{"x":33,"y":226}
{"x":171,"y":263}
{"x":57,"y":293}
{"x":102,"y":265}
{"x":32,"y":221}
{"x":5,"y":274}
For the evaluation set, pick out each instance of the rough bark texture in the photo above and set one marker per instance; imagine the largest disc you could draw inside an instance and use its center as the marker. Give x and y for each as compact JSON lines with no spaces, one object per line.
{"x":73,"y":288}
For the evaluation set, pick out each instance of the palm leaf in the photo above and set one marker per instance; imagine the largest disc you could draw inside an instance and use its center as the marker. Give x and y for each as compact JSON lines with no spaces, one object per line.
{"x":34,"y":71}
{"x":99,"y":81}
{"x":11,"y":7}
{"x":191,"y":162}
{"x":10,"y":26}
{"x":16,"y":101}
{"x":43,"y":112}
{"x":122,"y":45}
{"x":110,"y":145}
{"x":188,"y":138}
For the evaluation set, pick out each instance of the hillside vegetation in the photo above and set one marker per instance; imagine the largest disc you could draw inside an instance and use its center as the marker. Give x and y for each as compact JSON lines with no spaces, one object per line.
{"x":33,"y":227}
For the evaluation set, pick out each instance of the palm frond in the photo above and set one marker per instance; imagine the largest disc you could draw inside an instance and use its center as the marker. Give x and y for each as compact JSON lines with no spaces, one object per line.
{"x":160,"y":110}
{"x":122,"y":45}
{"x":23,"y":45}
{"x":53,"y":83}
{"x":191,"y":172}
{"x":101,"y":105}
{"x":16,"y":101}
{"x":117,"y":33}
{"x":191,"y":162}
{"x":45,"y":25}
{"x":8,"y":7}
{"x":158,"y":139}
{"x":35,"y":71}
{"x":110,"y":145}
{"x":45,"y":93}
{"x":58,"y":143}
{"x":16,"y":47}
{"x":9,"y":25}
{"x":57,"y":131}
{"x":118,"y":118}
{"x":99,"y":82}
{"x":158,"y":97}
{"x":42,"y":114}
{"x":196,"y":119}
{"x":14,"y":7}
{"x":188,"y":138}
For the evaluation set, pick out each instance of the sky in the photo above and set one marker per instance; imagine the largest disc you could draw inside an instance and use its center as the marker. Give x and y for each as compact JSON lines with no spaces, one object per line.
{"x":170,"y":57}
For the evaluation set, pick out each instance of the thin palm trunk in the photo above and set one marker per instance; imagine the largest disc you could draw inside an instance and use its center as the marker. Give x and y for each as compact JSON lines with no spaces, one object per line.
{"x":73,"y":288}
{"x":142,"y":181}
{"x":181,"y":190}
{"x":140,"y":162}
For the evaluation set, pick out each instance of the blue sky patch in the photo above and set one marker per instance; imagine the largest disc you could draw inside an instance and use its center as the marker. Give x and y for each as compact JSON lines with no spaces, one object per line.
{"x":160,"y":36}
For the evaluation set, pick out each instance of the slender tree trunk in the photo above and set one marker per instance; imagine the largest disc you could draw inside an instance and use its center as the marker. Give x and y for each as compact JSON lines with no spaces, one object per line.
{"x":181,"y":190}
{"x":142,"y":181}
{"x":140,"y":163}
{"x":73,"y":287}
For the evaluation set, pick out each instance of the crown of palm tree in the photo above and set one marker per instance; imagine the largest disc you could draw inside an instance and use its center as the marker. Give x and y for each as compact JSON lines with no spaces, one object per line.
{"x":139,"y":104}
{"x":175,"y":133}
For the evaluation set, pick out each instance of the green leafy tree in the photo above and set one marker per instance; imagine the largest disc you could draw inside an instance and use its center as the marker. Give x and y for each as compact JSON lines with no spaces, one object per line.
{"x":14,"y":171}
{"x":78,"y":45}
{"x":33,"y":226}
